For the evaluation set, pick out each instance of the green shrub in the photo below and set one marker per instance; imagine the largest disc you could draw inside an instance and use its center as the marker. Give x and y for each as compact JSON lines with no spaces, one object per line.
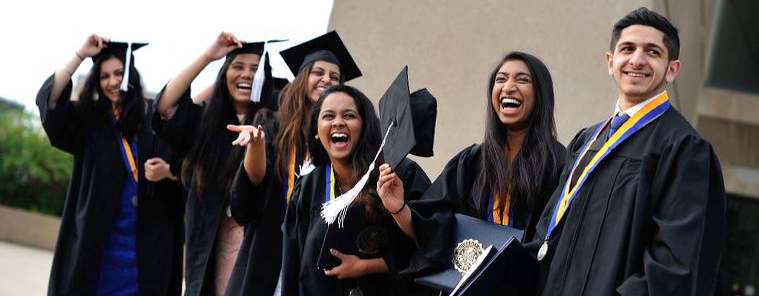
{"x":34,"y":174}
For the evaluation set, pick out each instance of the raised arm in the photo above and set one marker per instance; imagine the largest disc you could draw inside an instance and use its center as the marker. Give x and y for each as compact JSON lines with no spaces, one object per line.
{"x":92,"y":46}
{"x":255,"y":155}
{"x":390,"y":189}
{"x":224,"y":43}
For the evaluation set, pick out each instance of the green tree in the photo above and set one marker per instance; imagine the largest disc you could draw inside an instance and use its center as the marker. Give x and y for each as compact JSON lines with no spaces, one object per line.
{"x":34,"y":174}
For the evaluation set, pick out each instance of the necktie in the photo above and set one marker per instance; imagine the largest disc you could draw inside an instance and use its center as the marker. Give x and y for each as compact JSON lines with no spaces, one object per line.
{"x":617,"y":122}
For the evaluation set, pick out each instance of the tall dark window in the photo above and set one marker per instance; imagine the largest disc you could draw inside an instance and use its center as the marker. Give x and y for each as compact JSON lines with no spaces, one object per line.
{"x":734,"y":63}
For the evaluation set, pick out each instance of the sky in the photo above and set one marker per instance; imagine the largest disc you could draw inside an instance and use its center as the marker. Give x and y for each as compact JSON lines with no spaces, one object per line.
{"x":39,"y":37}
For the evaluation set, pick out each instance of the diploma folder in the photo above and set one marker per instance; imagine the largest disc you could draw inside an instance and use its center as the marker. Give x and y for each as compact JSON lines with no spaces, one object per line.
{"x":507,"y":266}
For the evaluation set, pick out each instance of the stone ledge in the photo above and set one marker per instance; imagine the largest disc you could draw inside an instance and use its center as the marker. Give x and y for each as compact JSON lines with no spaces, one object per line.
{"x":28,"y":228}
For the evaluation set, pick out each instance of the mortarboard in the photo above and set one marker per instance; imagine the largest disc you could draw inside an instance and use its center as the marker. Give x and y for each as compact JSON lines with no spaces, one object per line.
{"x":424,"y":111}
{"x":413,"y":117}
{"x":328,"y":47}
{"x":118,"y":49}
{"x":249,"y":47}
{"x":508,"y":264}
{"x":124,"y":51}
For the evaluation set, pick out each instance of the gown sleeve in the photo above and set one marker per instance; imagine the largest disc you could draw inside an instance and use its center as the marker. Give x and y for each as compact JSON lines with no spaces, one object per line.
{"x":248,"y":200}
{"x":295,"y":230}
{"x":415,"y":183}
{"x":61,"y":124}
{"x":179,"y":130}
{"x":432,"y":215}
{"x":688,"y":221}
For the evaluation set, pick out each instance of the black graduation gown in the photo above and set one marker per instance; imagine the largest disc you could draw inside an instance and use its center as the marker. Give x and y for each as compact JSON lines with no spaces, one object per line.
{"x":261,"y":209}
{"x":204,"y":212}
{"x":648,"y":221}
{"x":93,"y":197}
{"x":304,"y":231}
{"x":433,"y":214}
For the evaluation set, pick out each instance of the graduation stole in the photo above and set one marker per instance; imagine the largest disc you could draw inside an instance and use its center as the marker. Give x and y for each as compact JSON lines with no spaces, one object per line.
{"x":290,"y":177}
{"x":126,"y":149}
{"x":650,"y":112}
{"x":495,"y":214}
{"x":329,"y":186}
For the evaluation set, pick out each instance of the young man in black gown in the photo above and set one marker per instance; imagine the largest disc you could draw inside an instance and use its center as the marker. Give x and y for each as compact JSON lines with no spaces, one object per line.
{"x":644,"y":210}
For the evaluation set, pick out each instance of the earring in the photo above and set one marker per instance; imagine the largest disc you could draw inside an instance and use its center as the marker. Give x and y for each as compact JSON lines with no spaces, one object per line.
{"x":95,"y":96}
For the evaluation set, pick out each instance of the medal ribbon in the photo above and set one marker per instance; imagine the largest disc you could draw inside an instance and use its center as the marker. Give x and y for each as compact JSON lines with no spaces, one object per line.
{"x":290,"y":177}
{"x":329,"y":186}
{"x":126,"y":148}
{"x":495,"y":213}
{"x":646,"y":115}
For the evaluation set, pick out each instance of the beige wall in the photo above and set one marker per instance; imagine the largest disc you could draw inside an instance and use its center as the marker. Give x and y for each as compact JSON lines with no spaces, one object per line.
{"x":451,"y":46}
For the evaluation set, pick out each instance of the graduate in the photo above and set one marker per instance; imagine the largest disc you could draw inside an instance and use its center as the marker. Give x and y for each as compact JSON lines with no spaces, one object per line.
{"x":343,"y":139}
{"x":506,"y":180}
{"x":121,"y":230}
{"x":198,"y":133}
{"x":264,"y":184}
{"x":640,"y":209}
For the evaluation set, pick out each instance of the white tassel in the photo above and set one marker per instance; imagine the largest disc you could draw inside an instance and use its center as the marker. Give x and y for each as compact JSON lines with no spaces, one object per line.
{"x":258,"y":78}
{"x":125,"y":79}
{"x":306,"y":168}
{"x":337,"y":208}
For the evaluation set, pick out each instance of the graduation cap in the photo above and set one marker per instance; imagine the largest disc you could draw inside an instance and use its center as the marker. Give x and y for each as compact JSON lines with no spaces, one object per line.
{"x":413,"y":117}
{"x":118,"y":49}
{"x":329,"y":48}
{"x":248,"y":47}
{"x":124,"y":51}
{"x":506,"y":264}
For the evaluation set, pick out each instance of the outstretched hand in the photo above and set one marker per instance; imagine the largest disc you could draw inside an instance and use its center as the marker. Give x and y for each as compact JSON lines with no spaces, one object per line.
{"x":390,"y":189}
{"x":92,"y":46}
{"x":248,"y":134}
{"x":224,"y":44}
{"x":351,"y":266}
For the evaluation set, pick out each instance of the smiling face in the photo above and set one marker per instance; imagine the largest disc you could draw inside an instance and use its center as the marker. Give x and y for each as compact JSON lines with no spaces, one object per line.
{"x":240,"y":76}
{"x":323,"y":74}
{"x":513,"y":97}
{"x":640,"y":65}
{"x":111,"y":75}
{"x":339,"y":126}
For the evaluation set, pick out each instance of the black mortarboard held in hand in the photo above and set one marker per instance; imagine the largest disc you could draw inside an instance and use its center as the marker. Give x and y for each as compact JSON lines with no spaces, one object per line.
{"x":123,"y":50}
{"x":329,"y":48}
{"x":413,"y":117}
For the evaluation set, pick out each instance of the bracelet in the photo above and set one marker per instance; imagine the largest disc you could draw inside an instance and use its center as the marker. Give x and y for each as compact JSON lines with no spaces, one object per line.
{"x":79,"y":55}
{"x":399,"y":211}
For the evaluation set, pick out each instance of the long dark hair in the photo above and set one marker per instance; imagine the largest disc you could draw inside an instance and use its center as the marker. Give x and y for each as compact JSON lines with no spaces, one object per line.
{"x":212,"y":159}
{"x":293,"y":115}
{"x":95,"y":107}
{"x":363,"y":154}
{"x":522,"y":176}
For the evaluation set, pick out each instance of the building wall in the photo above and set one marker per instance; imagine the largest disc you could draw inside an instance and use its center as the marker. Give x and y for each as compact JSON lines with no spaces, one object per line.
{"x":452,"y":46}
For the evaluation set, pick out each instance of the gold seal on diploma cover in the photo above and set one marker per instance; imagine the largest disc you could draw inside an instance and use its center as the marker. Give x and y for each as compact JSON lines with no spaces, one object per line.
{"x":465,"y":254}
